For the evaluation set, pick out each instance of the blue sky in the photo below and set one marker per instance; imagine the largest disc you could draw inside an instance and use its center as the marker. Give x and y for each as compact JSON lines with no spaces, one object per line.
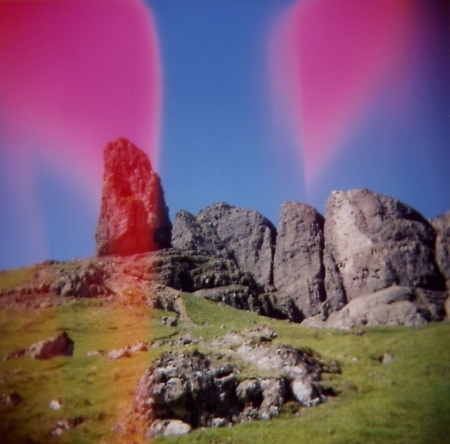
{"x":219,"y":140}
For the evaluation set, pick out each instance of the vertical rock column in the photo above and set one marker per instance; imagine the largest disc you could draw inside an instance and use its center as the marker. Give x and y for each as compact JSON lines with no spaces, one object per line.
{"x":133,"y":216}
{"x":298,"y":265}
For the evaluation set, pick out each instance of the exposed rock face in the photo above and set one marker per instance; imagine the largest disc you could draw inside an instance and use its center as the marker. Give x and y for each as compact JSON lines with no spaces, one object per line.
{"x":391,"y":306}
{"x":188,"y":391}
{"x":377,"y":241}
{"x":442,"y":226}
{"x":87,"y":281}
{"x":298,"y":263}
{"x":239,"y":233}
{"x":133,"y":217}
{"x":189,"y":234}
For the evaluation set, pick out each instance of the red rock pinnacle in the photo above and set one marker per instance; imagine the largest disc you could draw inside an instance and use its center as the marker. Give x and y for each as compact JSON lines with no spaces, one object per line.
{"x":133,"y":216}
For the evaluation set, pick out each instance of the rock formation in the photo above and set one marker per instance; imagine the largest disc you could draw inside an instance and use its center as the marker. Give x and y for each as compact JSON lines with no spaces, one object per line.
{"x":377,"y":241}
{"x":298,"y":264}
{"x":238,"y":233}
{"x":60,"y":345}
{"x":133,"y":217}
{"x":442,"y":226}
{"x":184,"y":391}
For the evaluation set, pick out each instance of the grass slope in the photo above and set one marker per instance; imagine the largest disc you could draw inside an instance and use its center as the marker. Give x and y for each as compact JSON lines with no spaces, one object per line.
{"x":407,"y":401}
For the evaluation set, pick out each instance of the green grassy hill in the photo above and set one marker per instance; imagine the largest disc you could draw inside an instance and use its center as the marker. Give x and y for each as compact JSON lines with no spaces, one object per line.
{"x":406,"y":401}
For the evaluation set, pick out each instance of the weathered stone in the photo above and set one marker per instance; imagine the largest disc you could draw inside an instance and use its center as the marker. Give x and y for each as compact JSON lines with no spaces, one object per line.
{"x":119,"y":354}
{"x":442,"y":226}
{"x":49,"y":348}
{"x":169,"y":321}
{"x":189,"y":234}
{"x":133,"y":217}
{"x":188,"y":388}
{"x":390,"y":306}
{"x":298,"y":264}
{"x":222,"y":230}
{"x":376,"y":242}
{"x":168,"y":427}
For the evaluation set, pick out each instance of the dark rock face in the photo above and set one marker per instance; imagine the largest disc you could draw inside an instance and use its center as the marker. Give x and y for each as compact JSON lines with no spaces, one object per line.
{"x":298,"y":263}
{"x":376,"y":242}
{"x":133,"y":217}
{"x":238,"y":233}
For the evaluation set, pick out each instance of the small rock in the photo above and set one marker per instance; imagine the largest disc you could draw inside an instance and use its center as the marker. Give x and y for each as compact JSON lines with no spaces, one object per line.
{"x":96,"y":353}
{"x":60,"y":345}
{"x":387,"y":359}
{"x":218,"y":422}
{"x":118,"y":354}
{"x":138,"y":347}
{"x":55,"y":404}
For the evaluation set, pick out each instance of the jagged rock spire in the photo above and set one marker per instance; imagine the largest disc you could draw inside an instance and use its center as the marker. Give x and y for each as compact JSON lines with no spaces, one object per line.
{"x":134,"y":217}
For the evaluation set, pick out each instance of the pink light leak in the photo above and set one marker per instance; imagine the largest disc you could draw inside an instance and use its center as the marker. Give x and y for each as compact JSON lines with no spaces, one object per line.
{"x":75,"y":75}
{"x":329,"y":58}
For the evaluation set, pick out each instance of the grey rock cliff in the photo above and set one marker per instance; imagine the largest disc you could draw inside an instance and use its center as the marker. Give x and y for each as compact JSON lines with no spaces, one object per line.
{"x":377,"y":241}
{"x":442,"y":226}
{"x":133,"y":217}
{"x":298,"y":263}
{"x":241,"y":234}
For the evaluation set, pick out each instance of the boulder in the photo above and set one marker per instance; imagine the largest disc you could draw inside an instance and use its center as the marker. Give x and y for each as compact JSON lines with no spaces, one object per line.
{"x":391,"y":306}
{"x":303,"y":372}
{"x":133,"y":216}
{"x":49,"y":348}
{"x":298,"y":264}
{"x":374,"y":242}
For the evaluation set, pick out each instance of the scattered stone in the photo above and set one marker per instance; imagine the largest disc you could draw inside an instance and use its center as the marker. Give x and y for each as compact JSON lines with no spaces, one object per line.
{"x":138,"y":347}
{"x":55,"y":404}
{"x":168,"y":427}
{"x":119,"y":354}
{"x":60,"y":428}
{"x":387,"y":359}
{"x":169,"y":321}
{"x":95,"y":353}
{"x":133,"y":218}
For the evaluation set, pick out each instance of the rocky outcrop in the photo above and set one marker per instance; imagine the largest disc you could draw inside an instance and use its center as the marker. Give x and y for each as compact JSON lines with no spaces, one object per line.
{"x":238,"y":233}
{"x":298,"y":264}
{"x":84,"y":282}
{"x":391,"y":306}
{"x":133,"y":216}
{"x":442,"y":226}
{"x":186,"y":391}
{"x":189,"y":234}
{"x":376,"y":242}
{"x":60,"y":345}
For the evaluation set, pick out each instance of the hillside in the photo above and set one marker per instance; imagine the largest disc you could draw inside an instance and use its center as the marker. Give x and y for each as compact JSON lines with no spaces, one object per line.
{"x":222,"y":327}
